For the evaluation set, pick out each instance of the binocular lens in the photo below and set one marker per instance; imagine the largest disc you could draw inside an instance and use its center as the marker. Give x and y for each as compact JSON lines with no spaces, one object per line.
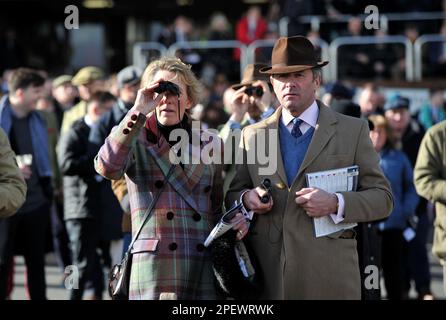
{"x":169,"y":87}
{"x":258,"y":91}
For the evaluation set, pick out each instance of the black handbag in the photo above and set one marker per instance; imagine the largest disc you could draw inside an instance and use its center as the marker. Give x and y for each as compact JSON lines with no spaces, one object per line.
{"x":119,"y":277}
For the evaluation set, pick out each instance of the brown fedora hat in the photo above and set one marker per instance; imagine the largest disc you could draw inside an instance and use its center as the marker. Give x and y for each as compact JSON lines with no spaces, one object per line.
{"x":250,"y":75}
{"x":292,"y":54}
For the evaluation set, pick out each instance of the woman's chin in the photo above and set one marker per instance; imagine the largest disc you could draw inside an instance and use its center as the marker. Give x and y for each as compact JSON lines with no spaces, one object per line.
{"x":169,"y":120}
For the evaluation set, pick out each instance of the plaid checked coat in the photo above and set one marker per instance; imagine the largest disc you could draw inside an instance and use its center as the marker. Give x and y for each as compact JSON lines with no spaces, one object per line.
{"x":169,"y":255}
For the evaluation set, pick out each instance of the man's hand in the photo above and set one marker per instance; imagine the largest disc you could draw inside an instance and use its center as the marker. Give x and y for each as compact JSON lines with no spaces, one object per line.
{"x":251,"y":201}
{"x":26,"y":171}
{"x":241,"y":225}
{"x":317,"y":202}
{"x":240,"y":104}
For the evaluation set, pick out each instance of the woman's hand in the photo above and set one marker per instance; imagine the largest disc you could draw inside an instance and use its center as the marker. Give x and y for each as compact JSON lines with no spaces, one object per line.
{"x":145,"y":101}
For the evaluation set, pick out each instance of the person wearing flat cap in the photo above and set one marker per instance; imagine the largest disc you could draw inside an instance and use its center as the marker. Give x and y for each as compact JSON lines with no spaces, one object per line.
{"x":408,"y":134}
{"x":65,"y":96}
{"x":87,"y":80}
{"x":309,"y":137}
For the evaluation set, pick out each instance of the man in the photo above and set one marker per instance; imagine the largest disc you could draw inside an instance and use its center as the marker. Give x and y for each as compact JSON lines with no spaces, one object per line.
{"x":250,"y":102}
{"x":88,"y":80}
{"x":311,"y":137}
{"x":430,"y":182}
{"x":370,"y":100}
{"x":83,"y":201}
{"x":12,"y":184}
{"x":128,"y":80}
{"x":408,"y":134}
{"x":28,"y":136}
{"x":64,"y":94}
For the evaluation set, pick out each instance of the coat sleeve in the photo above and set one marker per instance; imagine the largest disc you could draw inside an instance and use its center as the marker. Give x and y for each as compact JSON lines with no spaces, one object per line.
{"x":410,"y":196}
{"x":429,"y":167}
{"x":71,"y":155}
{"x":12,"y":184}
{"x":114,"y":156}
{"x":373,"y":199}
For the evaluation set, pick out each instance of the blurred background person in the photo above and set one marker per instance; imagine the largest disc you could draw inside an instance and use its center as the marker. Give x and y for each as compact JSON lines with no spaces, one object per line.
{"x":370,"y":100}
{"x":28,"y":136}
{"x":407,"y":135}
{"x":433,"y":112}
{"x":430,"y":173}
{"x":84,"y":203}
{"x":87,"y":80}
{"x":12,"y":184}
{"x":128,"y":81}
{"x":399,"y":172}
{"x":251,"y":26}
{"x":65,"y":96}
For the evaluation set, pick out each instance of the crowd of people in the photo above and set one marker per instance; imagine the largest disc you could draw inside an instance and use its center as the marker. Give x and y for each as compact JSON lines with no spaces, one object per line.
{"x":94,"y":155}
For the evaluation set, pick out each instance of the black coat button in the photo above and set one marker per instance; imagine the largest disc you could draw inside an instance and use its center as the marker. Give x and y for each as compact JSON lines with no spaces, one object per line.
{"x":196,"y":216}
{"x":134,"y":117}
{"x":173,"y":246}
{"x":159,"y":184}
{"x":169,"y":215}
{"x":200,"y":247}
{"x":130,"y":124}
{"x":125,"y":131}
{"x":207,"y":189}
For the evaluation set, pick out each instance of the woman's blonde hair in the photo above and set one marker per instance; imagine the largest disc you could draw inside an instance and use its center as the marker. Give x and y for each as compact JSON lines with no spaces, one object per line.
{"x":379,"y":121}
{"x":182,"y":70}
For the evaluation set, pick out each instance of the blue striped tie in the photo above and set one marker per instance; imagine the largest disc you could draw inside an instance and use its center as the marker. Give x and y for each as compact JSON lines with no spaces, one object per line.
{"x":296,"y":133}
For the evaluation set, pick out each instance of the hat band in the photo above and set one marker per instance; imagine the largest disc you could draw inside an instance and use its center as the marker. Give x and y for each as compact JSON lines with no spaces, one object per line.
{"x":291,"y":64}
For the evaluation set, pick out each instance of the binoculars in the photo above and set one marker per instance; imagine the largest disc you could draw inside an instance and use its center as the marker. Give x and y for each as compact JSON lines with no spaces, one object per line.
{"x":167,"y":86}
{"x":266,"y":185}
{"x":258,"y":91}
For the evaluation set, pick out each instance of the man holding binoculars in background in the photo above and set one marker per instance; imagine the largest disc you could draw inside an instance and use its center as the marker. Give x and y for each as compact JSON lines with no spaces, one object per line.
{"x":251,"y":102}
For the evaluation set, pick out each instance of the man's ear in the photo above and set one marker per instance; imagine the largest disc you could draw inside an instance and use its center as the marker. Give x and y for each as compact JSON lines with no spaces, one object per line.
{"x":19,"y":93}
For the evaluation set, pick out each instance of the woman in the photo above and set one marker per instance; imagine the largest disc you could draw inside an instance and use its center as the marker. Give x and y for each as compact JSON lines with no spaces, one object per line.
{"x":169,"y":258}
{"x":398,"y":170}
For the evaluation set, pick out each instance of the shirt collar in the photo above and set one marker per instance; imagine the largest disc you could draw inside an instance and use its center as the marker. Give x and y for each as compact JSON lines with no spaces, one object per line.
{"x":309,"y":116}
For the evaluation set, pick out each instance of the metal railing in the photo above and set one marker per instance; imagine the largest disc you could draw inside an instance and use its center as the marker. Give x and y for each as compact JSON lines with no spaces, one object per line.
{"x":384,"y":18}
{"x":413,"y":52}
{"x":418,"y":52}
{"x":342,"y":41}
{"x":139,"y":59}
{"x":210,"y":44}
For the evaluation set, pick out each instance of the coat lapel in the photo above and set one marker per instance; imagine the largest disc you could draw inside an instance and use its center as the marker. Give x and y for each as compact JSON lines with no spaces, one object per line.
{"x":273,"y":124}
{"x":182,"y":181}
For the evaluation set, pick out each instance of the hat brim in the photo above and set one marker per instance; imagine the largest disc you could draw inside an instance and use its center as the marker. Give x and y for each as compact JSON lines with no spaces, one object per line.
{"x":290,"y":69}
{"x":130,"y":83}
{"x":239,"y":85}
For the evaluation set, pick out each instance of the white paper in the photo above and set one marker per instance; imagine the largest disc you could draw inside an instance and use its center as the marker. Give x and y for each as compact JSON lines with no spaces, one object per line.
{"x":343,"y":179}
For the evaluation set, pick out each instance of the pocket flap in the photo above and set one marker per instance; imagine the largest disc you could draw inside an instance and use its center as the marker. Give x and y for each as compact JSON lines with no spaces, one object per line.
{"x":145,"y":245}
